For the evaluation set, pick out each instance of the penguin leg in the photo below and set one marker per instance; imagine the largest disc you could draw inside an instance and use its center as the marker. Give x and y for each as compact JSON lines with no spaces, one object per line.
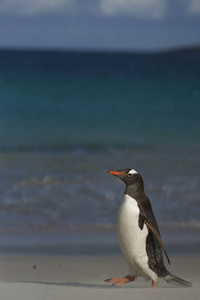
{"x":121,"y":281}
{"x":154,"y":284}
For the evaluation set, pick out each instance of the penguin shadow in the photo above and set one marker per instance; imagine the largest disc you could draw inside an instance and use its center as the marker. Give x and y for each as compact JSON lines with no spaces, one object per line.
{"x":142,"y":284}
{"x":71,"y":284}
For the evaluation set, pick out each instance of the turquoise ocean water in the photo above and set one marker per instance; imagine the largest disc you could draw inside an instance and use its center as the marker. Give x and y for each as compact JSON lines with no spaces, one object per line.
{"x":68,"y":117}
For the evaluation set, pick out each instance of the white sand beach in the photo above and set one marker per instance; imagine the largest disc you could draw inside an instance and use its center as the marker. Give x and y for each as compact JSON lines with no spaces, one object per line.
{"x":82,"y":277}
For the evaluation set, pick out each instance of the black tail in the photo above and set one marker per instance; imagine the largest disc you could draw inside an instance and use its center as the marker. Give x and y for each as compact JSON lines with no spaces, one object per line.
{"x":172,"y":279}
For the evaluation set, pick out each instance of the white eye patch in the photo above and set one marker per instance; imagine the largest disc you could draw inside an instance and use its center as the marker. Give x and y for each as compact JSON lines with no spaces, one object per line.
{"x":131,"y":172}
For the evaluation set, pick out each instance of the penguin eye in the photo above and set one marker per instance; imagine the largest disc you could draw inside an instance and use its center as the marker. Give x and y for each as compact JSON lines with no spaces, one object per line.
{"x":129,"y":174}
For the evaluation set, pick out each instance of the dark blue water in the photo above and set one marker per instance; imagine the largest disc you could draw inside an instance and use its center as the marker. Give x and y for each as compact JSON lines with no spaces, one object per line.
{"x":55,"y":100}
{"x":68,"y":117}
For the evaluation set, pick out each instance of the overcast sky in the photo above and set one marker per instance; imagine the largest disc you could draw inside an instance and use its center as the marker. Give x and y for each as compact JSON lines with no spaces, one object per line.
{"x":99,"y":24}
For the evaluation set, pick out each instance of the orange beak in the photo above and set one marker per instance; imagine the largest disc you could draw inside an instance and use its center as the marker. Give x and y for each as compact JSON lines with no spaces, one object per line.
{"x":116,"y":173}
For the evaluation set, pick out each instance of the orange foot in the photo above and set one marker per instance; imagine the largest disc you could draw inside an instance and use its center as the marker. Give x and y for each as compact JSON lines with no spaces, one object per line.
{"x":154,"y":285}
{"x":120,"y":281}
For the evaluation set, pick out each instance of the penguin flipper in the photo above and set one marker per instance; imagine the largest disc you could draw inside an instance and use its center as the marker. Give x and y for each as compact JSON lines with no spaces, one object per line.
{"x":156,"y":234}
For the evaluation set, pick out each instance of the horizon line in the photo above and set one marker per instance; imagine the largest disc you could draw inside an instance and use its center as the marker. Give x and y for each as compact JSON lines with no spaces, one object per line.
{"x":192,"y":47}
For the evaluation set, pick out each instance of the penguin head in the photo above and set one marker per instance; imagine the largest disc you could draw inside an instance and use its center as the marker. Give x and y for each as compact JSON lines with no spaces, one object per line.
{"x":129,"y":176}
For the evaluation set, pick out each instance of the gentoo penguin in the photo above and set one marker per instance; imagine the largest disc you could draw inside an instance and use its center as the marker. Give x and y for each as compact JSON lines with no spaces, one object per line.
{"x":139,"y":235}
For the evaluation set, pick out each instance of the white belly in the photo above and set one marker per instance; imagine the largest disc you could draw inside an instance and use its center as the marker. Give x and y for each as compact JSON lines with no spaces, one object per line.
{"x":132,"y":239}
